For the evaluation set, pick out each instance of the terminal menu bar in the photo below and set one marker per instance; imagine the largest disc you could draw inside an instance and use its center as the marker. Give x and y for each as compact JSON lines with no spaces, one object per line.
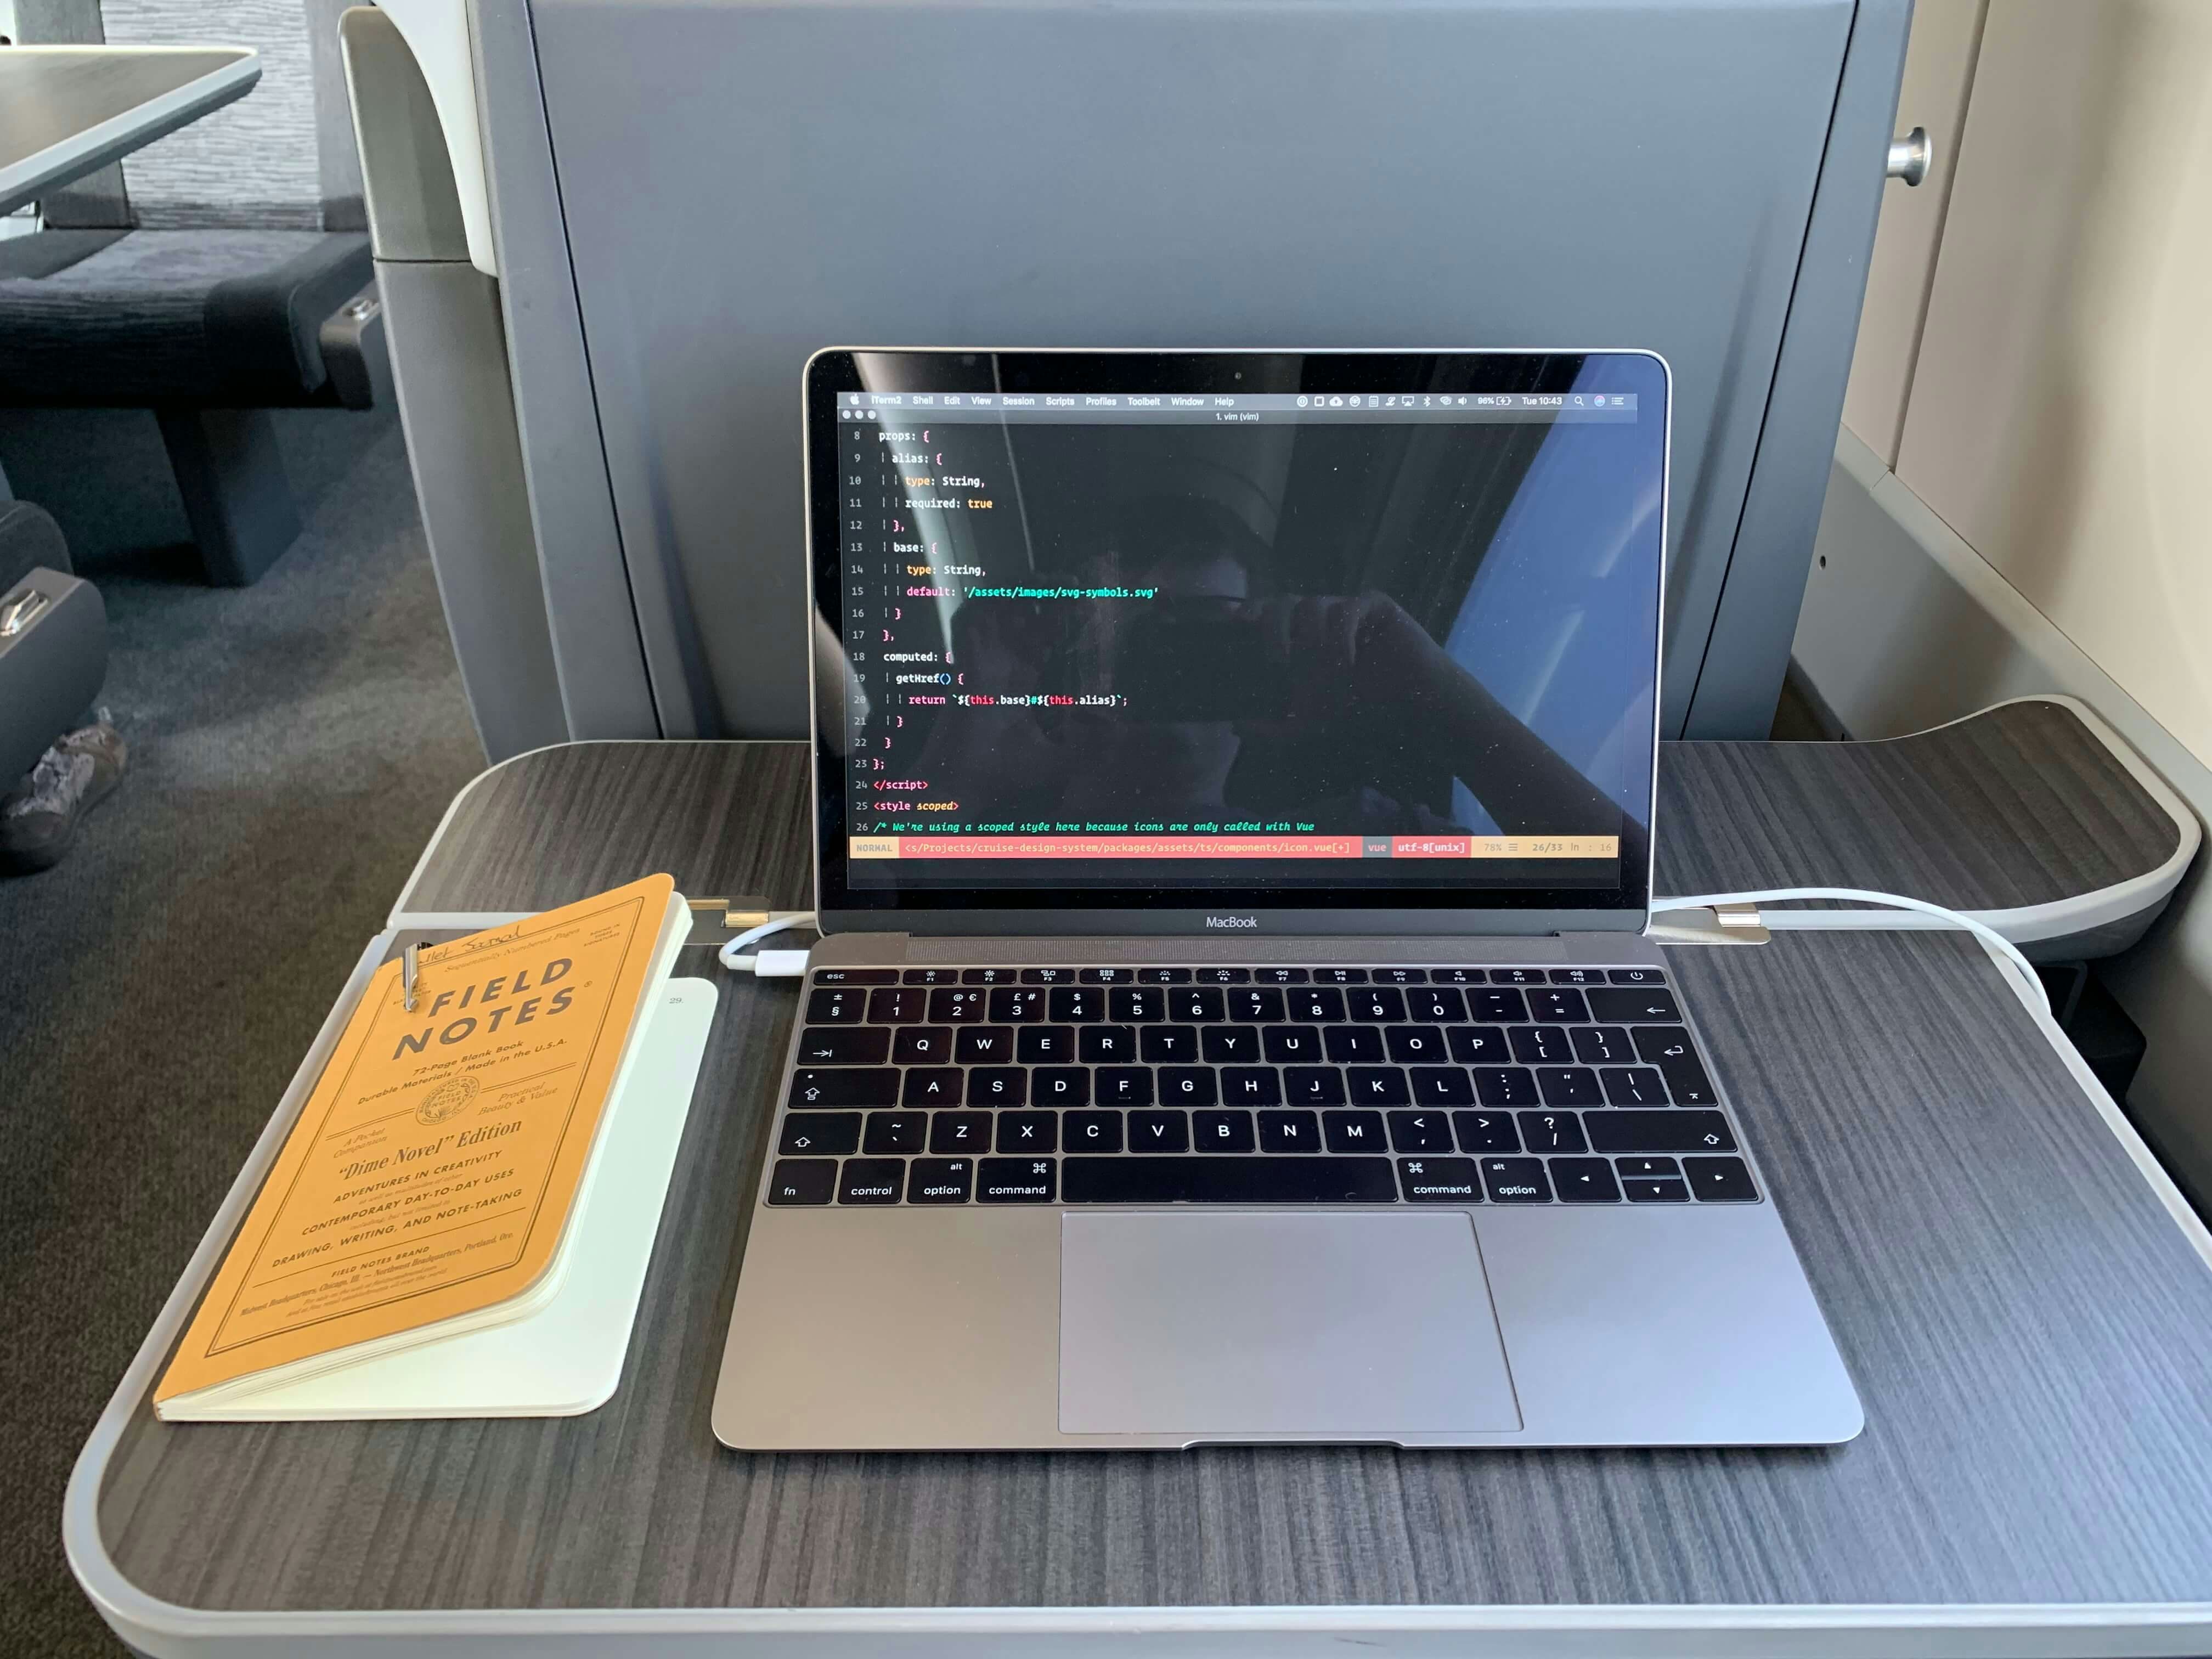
{"x":1255,"y":407}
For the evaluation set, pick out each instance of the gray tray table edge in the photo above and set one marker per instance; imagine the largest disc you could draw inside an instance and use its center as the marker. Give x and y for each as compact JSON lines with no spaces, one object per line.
{"x":158,"y":1626}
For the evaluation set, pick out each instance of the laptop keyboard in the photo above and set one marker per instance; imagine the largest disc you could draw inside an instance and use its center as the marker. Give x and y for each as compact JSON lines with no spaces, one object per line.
{"x":1251,"y":1085}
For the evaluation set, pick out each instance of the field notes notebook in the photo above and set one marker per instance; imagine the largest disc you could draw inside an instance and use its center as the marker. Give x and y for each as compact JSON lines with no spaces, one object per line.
{"x":445,"y":1174}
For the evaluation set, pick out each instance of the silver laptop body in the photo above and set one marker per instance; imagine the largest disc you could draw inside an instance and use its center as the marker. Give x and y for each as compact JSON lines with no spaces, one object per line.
{"x":1234,"y":782}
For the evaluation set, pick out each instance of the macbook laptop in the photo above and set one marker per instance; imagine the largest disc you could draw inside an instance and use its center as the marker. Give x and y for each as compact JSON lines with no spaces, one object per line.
{"x":1233,"y":791}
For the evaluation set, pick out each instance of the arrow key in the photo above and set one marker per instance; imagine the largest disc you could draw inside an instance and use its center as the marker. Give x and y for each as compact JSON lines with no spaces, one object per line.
{"x":1584,"y":1181}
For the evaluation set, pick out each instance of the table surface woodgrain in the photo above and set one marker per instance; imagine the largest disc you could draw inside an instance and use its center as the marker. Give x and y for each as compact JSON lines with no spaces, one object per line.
{"x":2026,"y":1325}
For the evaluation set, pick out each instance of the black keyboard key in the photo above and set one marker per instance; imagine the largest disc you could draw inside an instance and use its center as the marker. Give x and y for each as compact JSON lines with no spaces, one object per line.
{"x":960,"y":1132}
{"x":1123,"y":1085}
{"x":1498,"y":1007}
{"x":1091,"y":1132}
{"x":1106,"y":1045}
{"x":1569,"y":1086}
{"x":933,"y":1086}
{"x":856,"y":976}
{"x":1136,"y":1004}
{"x":1279,"y":975}
{"x":895,"y":1132}
{"x":1163,"y":976}
{"x":1636,"y":976}
{"x":1376,"y":1004}
{"x":1320,"y":1004}
{"x":1441,"y":1085}
{"x":1350,"y":1044}
{"x":921,"y":1045}
{"x":1014,"y":1181}
{"x":1603,"y":1045}
{"x":1221,"y":1131}
{"x":1228,"y":1181}
{"x":931,"y":977}
{"x":1584,"y":1181}
{"x":1028,"y":1132}
{"x":1077,"y":1005}
{"x":1289,"y":1132}
{"x":983,"y":1045}
{"x":953,"y":1005}
{"x":1044,"y":1045}
{"x":1624,"y":1005}
{"x":1169,"y":1045}
{"x":1224,"y":975}
{"x":1487,"y":1132}
{"x":803,"y":1180}
{"x":989,"y":975}
{"x":1633,"y":1085}
{"x":941,"y":1180}
{"x":1047,"y":975}
{"x":1018,"y":1005}
{"x":1632,"y":1130}
{"x":1421,"y":1132}
{"x":1291,"y":1045}
{"x":1186,"y":1085}
{"x":1378,"y":1086}
{"x":1436,"y":1005}
{"x":1197,"y":1004}
{"x":900,"y":1004}
{"x":1439,"y":1181}
{"x":1251,"y":1085}
{"x":1515,"y":1180}
{"x":837,"y":1006}
{"x":1551,"y":1132}
{"x":1506,"y":1085}
{"x":1258,"y":1004}
{"x":998,"y":1085}
{"x":845,"y":1086}
{"x":1313,"y":1085}
{"x":1578,"y":975}
{"x":871,"y":1181}
{"x":1341,"y":975}
{"x":1652,"y":1169}
{"x":1399,"y":975}
{"x":1354,"y":1131}
{"x":844,"y":1045}
{"x":1558,"y":1003}
{"x":1107,"y":977}
{"x":1159,"y":1132}
{"x":1229,"y":1045}
{"x":1668,"y":1047}
{"x":819,"y":1134}
{"x":1517,"y":976}
{"x":1477,"y":1045}
{"x":1542,"y":1045}
{"x":1639,"y":1190}
{"x":1410,"y":1045}
{"x":1061,"y":1085}
{"x":1720,"y":1180}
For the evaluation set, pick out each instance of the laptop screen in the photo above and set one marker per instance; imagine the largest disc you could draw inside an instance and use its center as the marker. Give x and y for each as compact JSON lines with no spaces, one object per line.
{"x":1279,"y":632}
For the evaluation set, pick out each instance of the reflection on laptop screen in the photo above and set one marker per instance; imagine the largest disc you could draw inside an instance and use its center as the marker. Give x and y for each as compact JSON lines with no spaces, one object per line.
{"x":1274,"y":640}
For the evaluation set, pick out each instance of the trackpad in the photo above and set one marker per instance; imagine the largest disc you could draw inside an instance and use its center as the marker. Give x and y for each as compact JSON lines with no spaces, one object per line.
{"x":1227,"y":1326}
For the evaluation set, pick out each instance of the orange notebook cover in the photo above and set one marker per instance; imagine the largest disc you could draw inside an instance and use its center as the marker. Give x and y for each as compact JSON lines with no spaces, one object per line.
{"x":431,"y":1172}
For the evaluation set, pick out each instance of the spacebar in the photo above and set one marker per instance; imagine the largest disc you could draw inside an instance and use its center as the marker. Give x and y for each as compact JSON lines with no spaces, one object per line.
{"x":1200,"y":1179}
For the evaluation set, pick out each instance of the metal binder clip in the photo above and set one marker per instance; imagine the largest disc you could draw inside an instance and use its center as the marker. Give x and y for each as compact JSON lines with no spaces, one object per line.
{"x":409,"y":966}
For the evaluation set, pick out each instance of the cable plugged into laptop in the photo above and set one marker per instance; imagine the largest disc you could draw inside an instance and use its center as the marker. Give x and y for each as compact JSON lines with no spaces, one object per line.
{"x":1918,"y":913}
{"x":767,"y":964}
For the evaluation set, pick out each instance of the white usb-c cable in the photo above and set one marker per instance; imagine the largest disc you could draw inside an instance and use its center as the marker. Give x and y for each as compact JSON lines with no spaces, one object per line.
{"x":767,"y":964}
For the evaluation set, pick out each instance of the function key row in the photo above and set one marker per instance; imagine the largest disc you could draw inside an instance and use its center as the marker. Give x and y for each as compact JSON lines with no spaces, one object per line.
{"x":1368,"y":1005}
{"x":1085,"y":1180}
{"x":929,"y":976}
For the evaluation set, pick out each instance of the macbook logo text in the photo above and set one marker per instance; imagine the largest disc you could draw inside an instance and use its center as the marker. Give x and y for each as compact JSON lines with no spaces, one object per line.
{"x":1232,"y":921}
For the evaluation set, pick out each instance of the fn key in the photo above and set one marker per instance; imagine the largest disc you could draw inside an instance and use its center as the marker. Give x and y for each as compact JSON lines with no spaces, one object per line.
{"x":803,"y":1180}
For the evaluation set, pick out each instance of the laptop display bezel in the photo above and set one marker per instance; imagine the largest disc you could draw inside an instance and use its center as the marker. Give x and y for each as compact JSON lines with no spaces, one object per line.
{"x":1044,"y":909}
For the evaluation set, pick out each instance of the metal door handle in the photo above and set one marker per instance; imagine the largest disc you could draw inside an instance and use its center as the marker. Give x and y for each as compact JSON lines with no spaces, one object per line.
{"x":1909,"y":156}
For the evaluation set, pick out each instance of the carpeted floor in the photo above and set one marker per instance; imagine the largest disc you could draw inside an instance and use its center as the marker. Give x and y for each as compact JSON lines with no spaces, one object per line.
{"x":293,"y":746}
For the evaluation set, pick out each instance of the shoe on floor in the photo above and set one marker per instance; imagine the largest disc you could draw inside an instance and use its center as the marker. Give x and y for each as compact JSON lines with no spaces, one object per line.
{"x":39,"y":819}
